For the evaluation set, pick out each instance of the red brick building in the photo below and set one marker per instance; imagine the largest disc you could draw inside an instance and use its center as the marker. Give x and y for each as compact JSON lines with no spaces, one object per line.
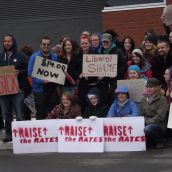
{"x":134,"y":17}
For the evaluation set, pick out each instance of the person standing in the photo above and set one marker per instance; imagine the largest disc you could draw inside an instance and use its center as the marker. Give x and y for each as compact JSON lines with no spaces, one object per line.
{"x":11,"y":56}
{"x":44,"y":91}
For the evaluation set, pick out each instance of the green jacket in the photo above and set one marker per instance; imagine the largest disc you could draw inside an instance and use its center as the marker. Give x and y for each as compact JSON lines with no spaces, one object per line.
{"x":155,"y":112}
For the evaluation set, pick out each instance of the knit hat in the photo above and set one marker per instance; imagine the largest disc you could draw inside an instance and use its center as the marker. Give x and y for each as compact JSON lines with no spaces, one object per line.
{"x":135,"y":68}
{"x":106,"y":37}
{"x":152,"y":82}
{"x":152,"y":38}
{"x":90,"y":95}
{"x":121,"y":89}
{"x":137,"y":51}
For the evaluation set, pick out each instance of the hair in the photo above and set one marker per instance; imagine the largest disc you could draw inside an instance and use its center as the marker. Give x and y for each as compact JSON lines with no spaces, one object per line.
{"x":26,"y":49}
{"x":45,"y":37}
{"x":70,"y":97}
{"x":74,"y":46}
{"x":85,"y":37}
{"x":63,"y":38}
{"x":141,"y":63}
{"x":164,"y":40}
{"x":152,"y":51}
{"x":132,"y":43}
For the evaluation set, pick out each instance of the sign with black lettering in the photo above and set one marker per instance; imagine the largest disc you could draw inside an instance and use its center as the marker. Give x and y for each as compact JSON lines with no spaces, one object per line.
{"x":49,"y":70}
{"x":104,"y":65}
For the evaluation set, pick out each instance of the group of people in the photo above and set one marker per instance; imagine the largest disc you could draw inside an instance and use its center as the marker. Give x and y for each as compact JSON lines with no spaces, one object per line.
{"x":83,"y":96}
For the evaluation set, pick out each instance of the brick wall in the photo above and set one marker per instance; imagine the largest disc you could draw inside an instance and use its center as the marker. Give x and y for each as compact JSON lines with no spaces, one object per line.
{"x":134,"y":22}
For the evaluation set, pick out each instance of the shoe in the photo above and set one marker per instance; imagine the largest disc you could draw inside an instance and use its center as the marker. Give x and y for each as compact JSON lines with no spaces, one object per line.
{"x":160,"y":146}
{"x":7,"y":139}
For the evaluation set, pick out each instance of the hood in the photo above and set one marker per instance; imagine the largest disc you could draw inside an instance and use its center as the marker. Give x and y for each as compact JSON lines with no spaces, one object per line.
{"x":14,"y":45}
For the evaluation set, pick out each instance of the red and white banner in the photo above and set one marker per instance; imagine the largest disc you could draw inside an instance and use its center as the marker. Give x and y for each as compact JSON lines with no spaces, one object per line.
{"x":35,"y":136}
{"x":81,"y":136}
{"x":124,"y":134}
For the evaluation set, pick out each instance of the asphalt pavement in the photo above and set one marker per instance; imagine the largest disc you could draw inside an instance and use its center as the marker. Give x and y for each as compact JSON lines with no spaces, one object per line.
{"x":148,"y":161}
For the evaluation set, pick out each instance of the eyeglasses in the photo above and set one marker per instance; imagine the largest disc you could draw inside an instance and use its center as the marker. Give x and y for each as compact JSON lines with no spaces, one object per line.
{"x":105,"y":42}
{"x":45,"y":44}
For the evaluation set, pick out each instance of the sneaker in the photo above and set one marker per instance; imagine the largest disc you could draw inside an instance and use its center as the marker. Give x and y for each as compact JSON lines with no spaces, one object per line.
{"x":160,"y":146}
{"x":7,"y":139}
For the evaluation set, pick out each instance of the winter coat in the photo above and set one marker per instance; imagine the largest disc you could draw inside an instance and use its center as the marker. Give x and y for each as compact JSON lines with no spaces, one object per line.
{"x":38,"y":84}
{"x":58,"y":112}
{"x":155,"y":111}
{"x":20,"y":63}
{"x":129,"y":109}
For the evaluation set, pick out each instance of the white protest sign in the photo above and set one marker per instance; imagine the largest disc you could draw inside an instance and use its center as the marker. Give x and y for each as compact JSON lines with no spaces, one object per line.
{"x":124,"y":134}
{"x":99,"y":65}
{"x":30,"y":102}
{"x":167,"y":14}
{"x":49,"y":70}
{"x":136,"y":88}
{"x":80,"y":136}
{"x":169,"y":125}
{"x":35,"y":136}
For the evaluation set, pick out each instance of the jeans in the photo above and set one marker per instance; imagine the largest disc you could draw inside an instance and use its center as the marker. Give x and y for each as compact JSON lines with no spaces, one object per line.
{"x":154,"y":134}
{"x":8,"y":102}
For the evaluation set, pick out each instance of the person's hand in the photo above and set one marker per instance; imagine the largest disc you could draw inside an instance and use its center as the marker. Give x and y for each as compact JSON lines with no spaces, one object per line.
{"x":100,"y":77}
{"x":79,"y":118}
{"x":92,"y":118}
{"x":45,"y":81}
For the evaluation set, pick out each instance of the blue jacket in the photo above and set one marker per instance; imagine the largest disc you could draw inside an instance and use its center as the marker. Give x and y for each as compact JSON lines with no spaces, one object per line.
{"x":37,"y":84}
{"x":130,"y":109}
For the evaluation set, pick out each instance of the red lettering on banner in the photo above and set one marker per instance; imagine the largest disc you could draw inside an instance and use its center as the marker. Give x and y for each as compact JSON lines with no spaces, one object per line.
{"x":115,"y":130}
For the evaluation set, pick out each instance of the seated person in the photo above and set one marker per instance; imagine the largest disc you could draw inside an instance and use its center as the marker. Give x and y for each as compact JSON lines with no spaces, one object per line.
{"x":154,"y":108}
{"x":96,"y":106}
{"x":67,"y":109}
{"x":123,"y":106}
{"x":134,"y":72}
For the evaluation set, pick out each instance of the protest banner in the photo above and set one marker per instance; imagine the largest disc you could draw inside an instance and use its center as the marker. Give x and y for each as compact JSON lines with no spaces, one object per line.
{"x":80,"y":136}
{"x":99,"y":65}
{"x":30,"y":103}
{"x":35,"y":136}
{"x":49,"y":70}
{"x":8,"y":80}
{"x":124,"y":134}
{"x":136,"y":88}
{"x":167,"y":15}
{"x":169,"y":125}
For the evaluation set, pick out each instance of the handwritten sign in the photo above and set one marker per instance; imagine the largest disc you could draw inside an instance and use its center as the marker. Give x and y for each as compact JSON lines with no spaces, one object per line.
{"x":99,"y":65}
{"x":8,"y":80}
{"x":124,"y":134}
{"x":136,"y":88}
{"x":49,"y":70}
{"x":82,"y":136}
{"x":169,"y":125}
{"x":30,"y":102}
{"x":167,"y":13}
{"x":35,"y":136}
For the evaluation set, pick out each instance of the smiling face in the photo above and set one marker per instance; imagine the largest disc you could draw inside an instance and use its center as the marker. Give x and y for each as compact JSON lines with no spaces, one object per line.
{"x":132,"y":74}
{"x":148,"y":45}
{"x":106,"y":44}
{"x":167,"y":75}
{"x":66,"y":102}
{"x":136,"y":58}
{"x":85,"y":44}
{"x":127,"y":44}
{"x":93,"y":100}
{"x":95,"y":40}
{"x":122,"y":97}
{"x":8,"y":42}
{"x":45,"y":45}
{"x":152,"y":90}
{"x":68,"y":46}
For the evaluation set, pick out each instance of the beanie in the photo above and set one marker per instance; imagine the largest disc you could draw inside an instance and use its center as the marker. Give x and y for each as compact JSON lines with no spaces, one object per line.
{"x":137,"y":51}
{"x":135,"y":68}
{"x":106,"y":37}
{"x":152,"y":82}
{"x":152,"y":38}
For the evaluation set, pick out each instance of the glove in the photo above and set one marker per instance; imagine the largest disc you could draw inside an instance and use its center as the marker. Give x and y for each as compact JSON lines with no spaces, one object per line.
{"x":93,"y":118}
{"x":79,"y":118}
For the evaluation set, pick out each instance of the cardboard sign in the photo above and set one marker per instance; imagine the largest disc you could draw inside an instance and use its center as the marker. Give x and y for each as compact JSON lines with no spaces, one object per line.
{"x":124,"y":134}
{"x":35,"y":136}
{"x":49,"y":70}
{"x":30,"y":102}
{"x":80,"y":136}
{"x":169,"y":125}
{"x":167,"y":13}
{"x":8,"y":81}
{"x":99,"y":65}
{"x":136,"y":88}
